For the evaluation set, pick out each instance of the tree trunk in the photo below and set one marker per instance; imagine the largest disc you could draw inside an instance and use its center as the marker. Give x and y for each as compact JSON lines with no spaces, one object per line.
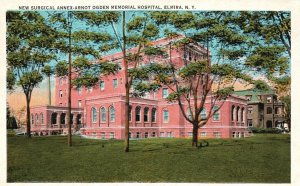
{"x":49,"y":91}
{"x":127,"y":87}
{"x":69,"y":85}
{"x":28,"y":130}
{"x":195,"y":135}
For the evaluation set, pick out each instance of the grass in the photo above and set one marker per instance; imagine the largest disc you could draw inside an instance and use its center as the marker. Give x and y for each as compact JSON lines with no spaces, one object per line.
{"x":264,"y":158}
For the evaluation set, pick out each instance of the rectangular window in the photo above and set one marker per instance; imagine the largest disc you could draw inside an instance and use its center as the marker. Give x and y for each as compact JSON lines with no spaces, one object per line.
{"x":216,"y":116}
{"x":169,"y":134}
{"x":102,"y":135}
{"x":153,"y":134}
{"x":90,"y":89}
{"x":190,"y":134}
{"x":203,"y":134}
{"x":165,"y":92}
{"x":250,"y":110}
{"x":60,"y":93}
{"x":79,"y":90}
{"x":115,"y":83}
{"x":79,"y":103}
{"x":249,"y":122}
{"x":61,"y":81}
{"x":112,"y":135}
{"x":161,"y":134}
{"x":269,"y":110}
{"x":233,"y":134}
{"x":102,"y":85}
{"x":137,"y":135}
{"x":217,"y":134}
{"x":94,"y":134}
{"x":166,"y":116}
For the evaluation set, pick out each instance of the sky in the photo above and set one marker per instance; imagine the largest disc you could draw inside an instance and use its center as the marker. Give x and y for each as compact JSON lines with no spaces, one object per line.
{"x":16,"y":100}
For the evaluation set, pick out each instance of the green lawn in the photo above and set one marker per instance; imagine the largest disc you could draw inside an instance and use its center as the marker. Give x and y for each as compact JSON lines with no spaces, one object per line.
{"x":259,"y":159}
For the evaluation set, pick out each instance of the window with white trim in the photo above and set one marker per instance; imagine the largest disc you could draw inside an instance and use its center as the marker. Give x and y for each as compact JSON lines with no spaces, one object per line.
{"x":203,"y":113}
{"x":112,"y":135}
{"x":94,"y":115}
{"x":112,"y":113}
{"x":138,"y":114}
{"x":216,"y":116}
{"x":203,"y":134}
{"x":42,"y":118}
{"x":60,"y":93}
{"x":115,"y":83}
{"x":217,"y":134}
{"x":165,"y":92}
{"x":102,"y":85}
{"x":36,"y":118}
{"x":153,"y":115}
{"x":103,"y":114}
{"x":165,"y":116}
{"x":146,"y":111}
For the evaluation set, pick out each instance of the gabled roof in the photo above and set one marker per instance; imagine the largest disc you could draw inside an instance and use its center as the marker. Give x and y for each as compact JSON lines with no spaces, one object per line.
{"x":254,"y":94}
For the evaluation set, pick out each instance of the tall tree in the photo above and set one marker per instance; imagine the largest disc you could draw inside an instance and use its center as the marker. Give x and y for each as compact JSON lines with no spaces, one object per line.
{"x":28,"y":41}
{"x":200,"y":79}
{"x":80,"y":43}
{"x":47,"y":71}
{"x":137,"y":30}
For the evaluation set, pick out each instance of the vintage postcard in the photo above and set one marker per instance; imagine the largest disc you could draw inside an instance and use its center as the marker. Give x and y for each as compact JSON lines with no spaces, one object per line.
{"x":139,"y":92}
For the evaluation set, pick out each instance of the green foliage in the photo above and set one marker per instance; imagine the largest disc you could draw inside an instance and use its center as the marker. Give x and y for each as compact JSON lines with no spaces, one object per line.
{"x":193,"y":69}
{"x":10,"y":79}
{"x":47,"y":70}
{"x":266,"y":130}
{"x":81,"y":63}
{"x":11,"y":123}
{"x":155,"y":51}
{"x":268,"y":58}
{"x":224,"y":92}
{"x":261,"y":85}
{"x":86,"y":80}
{"x":61,"y":68}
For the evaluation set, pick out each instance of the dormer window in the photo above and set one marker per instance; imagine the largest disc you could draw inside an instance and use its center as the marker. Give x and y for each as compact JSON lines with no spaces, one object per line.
{"x":269,"y":99}
{"x":249,"y":97}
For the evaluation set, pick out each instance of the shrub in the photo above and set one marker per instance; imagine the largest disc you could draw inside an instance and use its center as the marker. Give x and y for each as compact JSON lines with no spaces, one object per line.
{"x":265,"y":130}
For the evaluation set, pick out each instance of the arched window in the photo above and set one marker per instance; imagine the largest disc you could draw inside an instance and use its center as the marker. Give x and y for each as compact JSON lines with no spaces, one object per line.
{"x":153,"y":115}
{"x":237,"y":113}
{"x":94,"y":115}
{"x":42,"y":118}
{"x":32,"y":119}
{"x":63,"y":118}
{"x":203,"y":113}
{"x":216,"y":116}
{"x":103,"y":114}
{"x":36,"y":119}
{"x":138,"y":114}
{"x":242,"y":114}
{"x":146,"y":111}
{"x":112,"y":114}
{"x":130,"y":114}
{"x":165,"y":116}
{"x":53,"y":118}
{"x":232,"y":112}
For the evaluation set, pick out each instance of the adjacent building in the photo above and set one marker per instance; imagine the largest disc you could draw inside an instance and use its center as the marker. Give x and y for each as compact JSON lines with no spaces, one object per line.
{"x":264,"y":110}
